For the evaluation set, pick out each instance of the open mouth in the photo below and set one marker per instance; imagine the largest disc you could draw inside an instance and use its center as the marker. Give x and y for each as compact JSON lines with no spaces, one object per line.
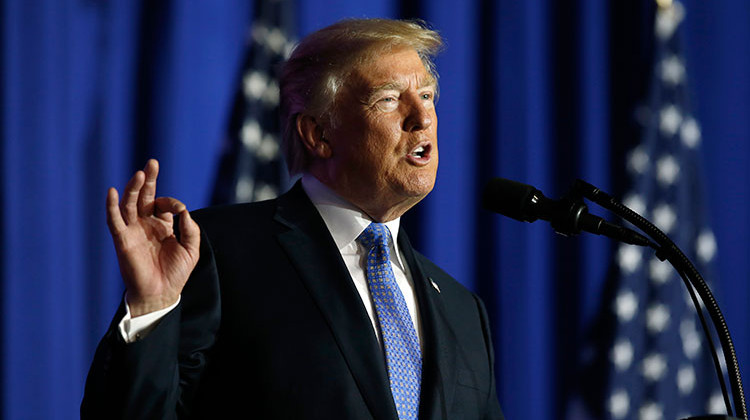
{"x":421,"y":153}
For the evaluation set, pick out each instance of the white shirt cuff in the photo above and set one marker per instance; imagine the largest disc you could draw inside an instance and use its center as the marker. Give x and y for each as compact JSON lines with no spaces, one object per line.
{"x":134,"y":329}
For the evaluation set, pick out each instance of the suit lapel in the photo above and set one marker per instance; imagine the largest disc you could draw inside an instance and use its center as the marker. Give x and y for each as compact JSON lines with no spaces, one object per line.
{"x":313,"y":252}
{"x":438,"y":370}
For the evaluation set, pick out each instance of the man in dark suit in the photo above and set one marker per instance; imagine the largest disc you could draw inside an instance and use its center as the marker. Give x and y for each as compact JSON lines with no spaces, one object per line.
{"x":305,"y":306}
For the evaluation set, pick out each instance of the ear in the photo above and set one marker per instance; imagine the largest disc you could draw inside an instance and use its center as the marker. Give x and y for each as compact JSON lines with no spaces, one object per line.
{"x":312,"y":137}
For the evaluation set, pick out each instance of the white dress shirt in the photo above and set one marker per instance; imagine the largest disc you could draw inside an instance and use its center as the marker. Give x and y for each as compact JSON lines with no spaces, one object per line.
{"x":345,"y":222}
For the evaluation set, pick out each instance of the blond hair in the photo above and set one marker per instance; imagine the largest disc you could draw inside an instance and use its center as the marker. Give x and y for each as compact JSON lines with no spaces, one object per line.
{"x":321,"y":62}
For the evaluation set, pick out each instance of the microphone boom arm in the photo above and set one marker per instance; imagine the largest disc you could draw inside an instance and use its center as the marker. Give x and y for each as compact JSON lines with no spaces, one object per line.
{"x":569,"y":216}
{"x":669,"y":251}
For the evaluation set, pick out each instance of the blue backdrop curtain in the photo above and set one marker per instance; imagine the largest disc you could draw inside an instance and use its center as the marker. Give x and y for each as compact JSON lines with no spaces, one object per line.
{"x":541,"y":91}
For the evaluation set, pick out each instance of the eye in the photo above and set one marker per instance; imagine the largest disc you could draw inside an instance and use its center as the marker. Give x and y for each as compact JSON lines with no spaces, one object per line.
{"x":428,"y":95}
{"x":387,"y":103}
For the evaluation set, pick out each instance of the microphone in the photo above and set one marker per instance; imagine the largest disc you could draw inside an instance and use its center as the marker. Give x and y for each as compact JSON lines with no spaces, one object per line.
{"x":567,"y":216}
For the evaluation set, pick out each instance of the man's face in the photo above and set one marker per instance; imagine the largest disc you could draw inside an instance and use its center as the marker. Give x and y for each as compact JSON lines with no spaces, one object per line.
{"x":384,"y":145}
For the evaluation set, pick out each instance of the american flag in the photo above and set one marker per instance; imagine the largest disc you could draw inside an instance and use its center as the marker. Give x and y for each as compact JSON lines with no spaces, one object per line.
{"x":252,"y":167}
{"x":658,"y":362}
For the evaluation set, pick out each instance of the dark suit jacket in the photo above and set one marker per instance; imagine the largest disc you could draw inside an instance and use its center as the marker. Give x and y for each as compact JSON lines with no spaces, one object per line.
{"x":271,"y":326}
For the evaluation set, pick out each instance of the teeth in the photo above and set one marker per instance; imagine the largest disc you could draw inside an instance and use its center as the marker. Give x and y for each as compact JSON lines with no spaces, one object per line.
{"x":418,"y":151}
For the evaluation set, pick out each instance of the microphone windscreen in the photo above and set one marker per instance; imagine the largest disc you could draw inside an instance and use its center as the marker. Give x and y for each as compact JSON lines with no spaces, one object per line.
{"x":509,"y":198}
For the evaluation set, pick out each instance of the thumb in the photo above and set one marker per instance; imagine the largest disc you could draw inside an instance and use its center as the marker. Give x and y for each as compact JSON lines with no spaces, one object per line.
{"x":190,"y":234}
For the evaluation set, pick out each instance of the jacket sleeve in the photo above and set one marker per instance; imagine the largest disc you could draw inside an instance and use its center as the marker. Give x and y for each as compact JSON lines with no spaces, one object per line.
{"x":493,"y":404}
{"x":157,"y":377}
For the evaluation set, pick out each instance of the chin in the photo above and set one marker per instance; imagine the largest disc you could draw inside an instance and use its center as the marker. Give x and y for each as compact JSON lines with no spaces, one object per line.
{"x":419,"y":187}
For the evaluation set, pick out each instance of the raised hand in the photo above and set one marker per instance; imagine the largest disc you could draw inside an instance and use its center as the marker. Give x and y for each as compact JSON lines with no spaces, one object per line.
{"x":154,"y":265}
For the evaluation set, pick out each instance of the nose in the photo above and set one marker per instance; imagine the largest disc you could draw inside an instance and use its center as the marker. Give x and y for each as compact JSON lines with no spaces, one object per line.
{"x":419,"y":117}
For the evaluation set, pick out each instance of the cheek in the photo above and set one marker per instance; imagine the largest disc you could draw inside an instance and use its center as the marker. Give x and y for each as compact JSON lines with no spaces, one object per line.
{"x":383,"y":135}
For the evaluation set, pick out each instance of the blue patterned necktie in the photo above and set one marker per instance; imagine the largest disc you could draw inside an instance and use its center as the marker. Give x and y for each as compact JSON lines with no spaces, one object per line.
{"x":402,"y":352}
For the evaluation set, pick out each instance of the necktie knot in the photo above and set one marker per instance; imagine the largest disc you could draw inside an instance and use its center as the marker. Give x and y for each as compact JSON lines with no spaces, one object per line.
{"x":376,"y":235}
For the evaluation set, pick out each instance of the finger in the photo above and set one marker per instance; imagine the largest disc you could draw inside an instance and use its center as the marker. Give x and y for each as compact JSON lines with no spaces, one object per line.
{"x":148,"y":192}
{"x":128,"y":205}
{"x":114,"y":217}
{"x":168,"y":205}
{"x":190,"y":234}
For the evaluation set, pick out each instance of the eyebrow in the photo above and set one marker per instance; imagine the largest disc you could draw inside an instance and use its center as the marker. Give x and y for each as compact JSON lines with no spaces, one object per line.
{"x":398,"y":86}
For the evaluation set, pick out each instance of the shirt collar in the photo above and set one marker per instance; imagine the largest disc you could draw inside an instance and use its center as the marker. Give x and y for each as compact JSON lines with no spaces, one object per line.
{"x":344,"y":220}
